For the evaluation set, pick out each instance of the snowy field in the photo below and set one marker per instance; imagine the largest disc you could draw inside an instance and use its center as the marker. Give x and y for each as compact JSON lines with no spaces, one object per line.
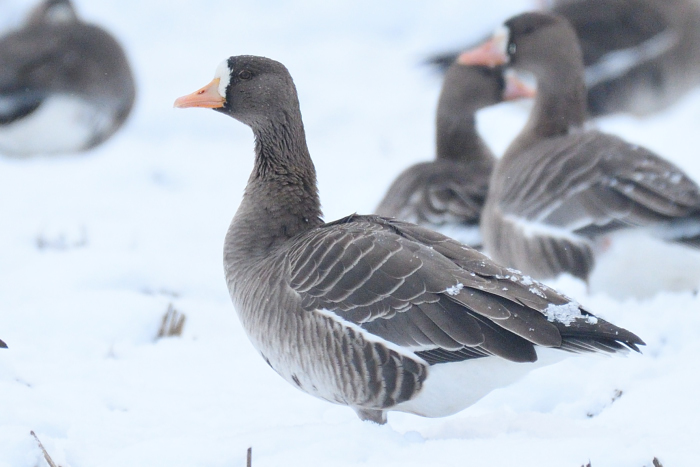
{"x":95,"y":248}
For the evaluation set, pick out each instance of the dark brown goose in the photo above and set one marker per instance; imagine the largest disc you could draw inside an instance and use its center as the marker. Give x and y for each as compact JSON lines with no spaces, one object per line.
{"x":640,"y":55}
{"x":448,"y":193}
{"x":370,"y":312}
{"x":65,"y":85}
{"x":559,"y":188}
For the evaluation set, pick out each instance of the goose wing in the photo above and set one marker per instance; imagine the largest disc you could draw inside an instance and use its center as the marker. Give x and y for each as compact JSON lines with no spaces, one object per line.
{"x":592,"y":183}
{"x":436,"y":297}
{"x":437,"y":193}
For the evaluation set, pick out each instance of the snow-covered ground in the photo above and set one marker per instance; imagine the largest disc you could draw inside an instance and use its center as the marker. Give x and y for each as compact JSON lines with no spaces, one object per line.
{"x":95,"y":248}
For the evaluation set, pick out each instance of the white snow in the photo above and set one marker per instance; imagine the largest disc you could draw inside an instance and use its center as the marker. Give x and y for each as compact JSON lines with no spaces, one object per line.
{"x":139,"y":223}
{"x":567,"y":313}
{"x":454,"y":290}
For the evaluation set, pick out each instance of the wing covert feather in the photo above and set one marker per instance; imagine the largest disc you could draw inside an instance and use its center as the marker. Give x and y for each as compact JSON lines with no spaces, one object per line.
{"x":590,"y":180}
{"x":421,"y":290}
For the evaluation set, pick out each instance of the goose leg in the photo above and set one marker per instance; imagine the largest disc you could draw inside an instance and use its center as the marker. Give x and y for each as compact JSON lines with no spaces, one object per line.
{"x":376,"y":416}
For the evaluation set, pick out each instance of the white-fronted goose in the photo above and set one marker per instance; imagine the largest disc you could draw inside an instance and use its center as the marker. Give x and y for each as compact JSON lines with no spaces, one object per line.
{"x":560,"y":188}
{"x":65,"y":85}
{"x":370,"y":312}
{"x":640,"y":55}
{"x":448,"y":194}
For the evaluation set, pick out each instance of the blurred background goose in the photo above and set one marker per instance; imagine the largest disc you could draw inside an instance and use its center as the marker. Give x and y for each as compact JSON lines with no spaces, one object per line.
{"x":65,"y":86}
{"x":448,"y":193}
{"x":561,"y":190}
{"x":640,"y":55}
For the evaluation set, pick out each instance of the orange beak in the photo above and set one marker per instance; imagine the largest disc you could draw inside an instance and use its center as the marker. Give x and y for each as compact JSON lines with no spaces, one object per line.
{"x":207,"y":97}
{"x":516,"y":89}
{"x":490,"y":53}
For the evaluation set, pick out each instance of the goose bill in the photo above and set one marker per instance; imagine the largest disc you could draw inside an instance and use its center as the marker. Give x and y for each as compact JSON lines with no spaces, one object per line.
{"x":206,"y":97}
{"x":491,"y":53}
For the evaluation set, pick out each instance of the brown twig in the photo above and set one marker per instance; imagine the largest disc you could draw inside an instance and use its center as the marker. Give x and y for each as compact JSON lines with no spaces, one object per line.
{"x":46,"y":454}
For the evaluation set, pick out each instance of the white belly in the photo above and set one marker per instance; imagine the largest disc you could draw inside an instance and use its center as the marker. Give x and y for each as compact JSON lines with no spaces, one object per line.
{"x":452,"y":387}
{"x":60,"y":124}
{"x":634,"y":264}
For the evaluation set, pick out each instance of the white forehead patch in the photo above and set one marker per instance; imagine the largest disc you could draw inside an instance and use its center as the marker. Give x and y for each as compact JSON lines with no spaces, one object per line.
{"x":502,"y":38}
{"x":223,"y":72}
{"x":60,"y":13}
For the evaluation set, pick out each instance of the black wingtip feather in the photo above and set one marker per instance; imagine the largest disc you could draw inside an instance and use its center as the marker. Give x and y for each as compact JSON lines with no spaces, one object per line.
{"x":435,"y":356}
{"x":2,"y":344}
{"x":582,"y":336}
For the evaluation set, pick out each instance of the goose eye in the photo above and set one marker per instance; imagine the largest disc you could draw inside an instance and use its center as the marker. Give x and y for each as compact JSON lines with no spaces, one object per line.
{"x":511,"y":48}
{"x":245,"y":74}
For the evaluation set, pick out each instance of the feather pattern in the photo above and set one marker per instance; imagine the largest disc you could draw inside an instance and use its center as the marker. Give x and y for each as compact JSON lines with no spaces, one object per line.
{"x":439,"y":192}
{"x":419,"y":289}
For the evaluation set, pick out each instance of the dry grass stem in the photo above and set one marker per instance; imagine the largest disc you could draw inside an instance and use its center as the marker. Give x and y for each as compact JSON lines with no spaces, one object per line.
{"x":172,"y":323}
{"x":46,"y":454}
